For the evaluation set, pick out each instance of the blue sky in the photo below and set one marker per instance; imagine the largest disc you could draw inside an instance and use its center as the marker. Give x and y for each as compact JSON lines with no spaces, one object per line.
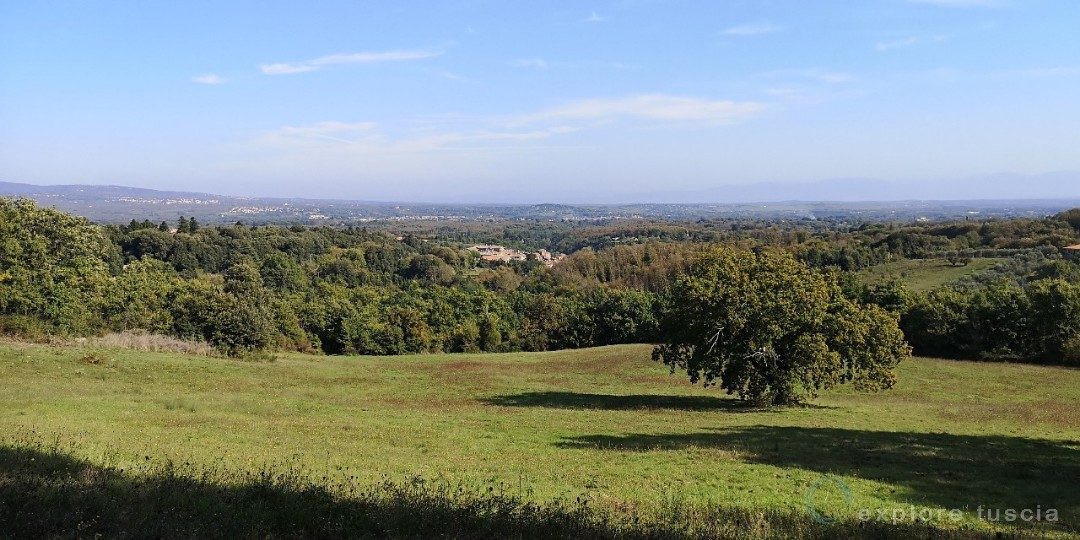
{"x":534,"y":101}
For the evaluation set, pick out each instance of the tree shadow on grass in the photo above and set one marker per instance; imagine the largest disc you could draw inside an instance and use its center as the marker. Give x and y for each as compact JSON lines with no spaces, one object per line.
{"x":46,"y":493}
{"x":933,"y":469}
{"x":581,"y":400}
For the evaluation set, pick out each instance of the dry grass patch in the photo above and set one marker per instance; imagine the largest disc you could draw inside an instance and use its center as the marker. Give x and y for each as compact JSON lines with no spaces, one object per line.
{"x":147,"y":342}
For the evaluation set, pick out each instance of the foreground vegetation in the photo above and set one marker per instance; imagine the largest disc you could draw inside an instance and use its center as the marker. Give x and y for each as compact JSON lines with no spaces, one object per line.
{"x":594,"y":442}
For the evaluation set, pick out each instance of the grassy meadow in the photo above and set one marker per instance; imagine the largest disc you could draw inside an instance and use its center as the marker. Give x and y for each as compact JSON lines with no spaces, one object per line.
{"x":922,"y":275}
{"x":594,"y":442}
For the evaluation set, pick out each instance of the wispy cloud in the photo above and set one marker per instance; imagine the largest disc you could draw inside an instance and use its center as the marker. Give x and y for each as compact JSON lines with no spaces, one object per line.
{"x":478,"y":133}
{"x":334,"y":131}
{"x":208,"y":78}
{"x":884,"y":46}
{"x":368,"y":137}
{"x":832,"y":77}
{"x":470,"y":147}
{"x":332,"y":127}
{"x":594,"y":17}
{"x":753,"y":29}
{"x":288,"y":68}
{"x":536,"y":63}
{"x":592,"y":65}
{"x":819,"y":75}
{"x":451,"y":76}
{"x":656,"y":107}
{"x":807,"y":86}
{"x":1060,"y":71}
{"x":960,"y":3}
{"x":783,"y":91}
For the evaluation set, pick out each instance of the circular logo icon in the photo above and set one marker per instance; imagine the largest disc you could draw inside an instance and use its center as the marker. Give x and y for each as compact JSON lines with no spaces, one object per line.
{"x":820,"y":492}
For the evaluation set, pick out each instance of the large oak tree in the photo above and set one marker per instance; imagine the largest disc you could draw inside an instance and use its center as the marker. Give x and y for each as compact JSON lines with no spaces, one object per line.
{"x":773,"y":331}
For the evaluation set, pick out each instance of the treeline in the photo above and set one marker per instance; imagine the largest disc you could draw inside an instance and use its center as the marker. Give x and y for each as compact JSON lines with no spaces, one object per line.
{"x":1027,"y":309}
{"x":351,"y":290}
{"x":245,"y":289}
{"x":818,"y":242}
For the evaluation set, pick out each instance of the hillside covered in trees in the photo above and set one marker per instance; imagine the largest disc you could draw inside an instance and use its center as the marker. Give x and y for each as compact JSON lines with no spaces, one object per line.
{"x":245,"y":289}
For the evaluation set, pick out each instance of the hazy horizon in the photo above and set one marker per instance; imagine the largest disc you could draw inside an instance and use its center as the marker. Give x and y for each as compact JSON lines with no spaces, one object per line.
{"x":836,"y":191}
{"x":582,"y":103}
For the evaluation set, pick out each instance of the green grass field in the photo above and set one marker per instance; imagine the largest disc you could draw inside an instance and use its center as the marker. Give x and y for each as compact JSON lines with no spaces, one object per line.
{"x":925,"y":274}
{"x":601,"y":430}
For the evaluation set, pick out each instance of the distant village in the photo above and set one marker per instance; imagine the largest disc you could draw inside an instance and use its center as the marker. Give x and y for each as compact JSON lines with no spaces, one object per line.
{"x":494,"y":253}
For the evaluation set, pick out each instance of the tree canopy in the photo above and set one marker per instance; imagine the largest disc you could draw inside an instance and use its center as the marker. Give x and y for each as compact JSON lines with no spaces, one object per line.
{"x":773,"y":331}
{"x":53,"y":267}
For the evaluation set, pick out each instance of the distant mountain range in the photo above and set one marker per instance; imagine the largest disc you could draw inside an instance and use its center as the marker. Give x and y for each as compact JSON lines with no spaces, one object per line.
{"x":828,"y":199}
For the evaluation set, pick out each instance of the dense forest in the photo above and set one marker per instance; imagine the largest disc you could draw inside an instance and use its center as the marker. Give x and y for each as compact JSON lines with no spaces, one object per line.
{"x":246,"y":289}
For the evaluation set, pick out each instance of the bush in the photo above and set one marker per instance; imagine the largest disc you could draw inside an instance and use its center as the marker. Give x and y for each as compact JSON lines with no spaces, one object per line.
{"x":24,"y":327}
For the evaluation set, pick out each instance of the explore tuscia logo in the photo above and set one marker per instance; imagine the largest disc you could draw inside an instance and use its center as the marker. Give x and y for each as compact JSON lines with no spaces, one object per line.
{"x":829,"y":499}
{"x":823,"y":490}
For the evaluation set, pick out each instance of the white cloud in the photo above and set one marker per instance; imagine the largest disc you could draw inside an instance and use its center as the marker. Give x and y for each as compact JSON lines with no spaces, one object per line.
{"x":884,"y":46}
{"x":208,"y":78}
{"x":339,"y":132}
{"x":783,"y":91}
{"x":285,"y":69}
{"x":1061,"y":71}
{"x":835,"y":78}
{"x":451,"y":76}
{"x":828,"y":77}
{"x":754,"y":29}
{"x":288,"y":68}
{"x":329,"y":127}
{"x":408,"y":148}
{"x":477,"y":133}
{"x":464,"y":148}
{"x":367,"y":137}
{"x":444,"y":140}
{"x":537,"y":63}
{"x":960,"y":3}
{"x":594,"y":18}
{"x":657,"y":107}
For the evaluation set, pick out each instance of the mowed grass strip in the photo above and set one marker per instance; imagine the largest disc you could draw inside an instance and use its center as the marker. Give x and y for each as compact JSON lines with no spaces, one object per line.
{"x":605,"y":425}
